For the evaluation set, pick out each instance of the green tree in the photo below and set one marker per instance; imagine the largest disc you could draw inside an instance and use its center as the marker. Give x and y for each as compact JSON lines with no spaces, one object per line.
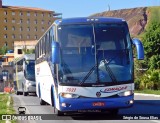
{"x":28,"y":51}
{"x":151,"y":41}
{"x":3,"y":50}
{"x":154,"y":62}
{"x":149,"y":79}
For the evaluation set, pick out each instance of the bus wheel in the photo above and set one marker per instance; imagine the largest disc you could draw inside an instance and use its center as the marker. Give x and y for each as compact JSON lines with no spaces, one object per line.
{"x":42,"y":102}
{"x":114,"y":112}
{"x":58,"y":113}
{"x":17,"y":93}
{"x":25,"y":93}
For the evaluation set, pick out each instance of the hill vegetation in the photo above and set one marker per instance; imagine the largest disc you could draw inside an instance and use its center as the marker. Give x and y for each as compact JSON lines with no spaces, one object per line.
{"x":136,"y":18}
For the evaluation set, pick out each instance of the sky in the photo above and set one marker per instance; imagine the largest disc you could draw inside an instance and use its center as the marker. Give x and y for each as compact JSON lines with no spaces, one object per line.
{"x":81,"y":8}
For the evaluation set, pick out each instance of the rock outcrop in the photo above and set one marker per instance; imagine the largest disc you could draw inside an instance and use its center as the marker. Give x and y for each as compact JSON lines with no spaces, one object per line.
{"x":136,"y":18}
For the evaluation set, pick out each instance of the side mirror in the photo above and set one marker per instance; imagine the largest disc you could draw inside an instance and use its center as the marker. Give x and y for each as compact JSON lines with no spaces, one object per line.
{"x":139,"y":47}
{"x":55,"y":52}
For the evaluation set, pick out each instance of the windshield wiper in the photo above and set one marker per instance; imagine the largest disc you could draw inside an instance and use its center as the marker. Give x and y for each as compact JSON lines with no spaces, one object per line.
{"x":88,"y":74}
{"x":108,"y":69}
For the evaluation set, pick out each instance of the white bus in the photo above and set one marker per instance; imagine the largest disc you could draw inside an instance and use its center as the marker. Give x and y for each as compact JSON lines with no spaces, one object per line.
{"x":24,"y":75}
{"x":86,"y":64}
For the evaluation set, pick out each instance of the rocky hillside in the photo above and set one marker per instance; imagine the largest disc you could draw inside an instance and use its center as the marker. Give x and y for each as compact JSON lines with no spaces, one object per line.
{"x":137,"y":18}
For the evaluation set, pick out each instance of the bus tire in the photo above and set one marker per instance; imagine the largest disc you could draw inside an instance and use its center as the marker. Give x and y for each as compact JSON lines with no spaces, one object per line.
{"x":17,"y":93}
{"x":42,"y":102}
{"x":25,"y":93}
{"x":35,"y":94}
{"x":114,"y":112}
{"x":58,"y":113}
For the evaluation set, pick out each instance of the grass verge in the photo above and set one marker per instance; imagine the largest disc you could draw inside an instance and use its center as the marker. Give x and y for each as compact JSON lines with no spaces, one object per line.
{"x":4,"y":108}
{"x":154,"y":14}
{"x":147,"y":91}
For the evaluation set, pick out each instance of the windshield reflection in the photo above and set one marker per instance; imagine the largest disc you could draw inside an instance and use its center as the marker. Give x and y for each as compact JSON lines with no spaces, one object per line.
{"x":30,"y":70}
{"x":85,"y":46}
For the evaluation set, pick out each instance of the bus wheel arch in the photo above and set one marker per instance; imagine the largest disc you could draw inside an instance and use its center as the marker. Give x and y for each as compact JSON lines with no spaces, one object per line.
{"x":42,"y":102}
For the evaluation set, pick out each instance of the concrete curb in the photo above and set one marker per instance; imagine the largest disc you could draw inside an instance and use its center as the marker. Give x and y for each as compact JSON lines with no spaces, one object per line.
{"x":141,"y":94}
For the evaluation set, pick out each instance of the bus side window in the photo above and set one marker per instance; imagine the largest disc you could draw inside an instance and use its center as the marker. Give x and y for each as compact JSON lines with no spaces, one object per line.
{"x":39,"y":49}
{"x":46,"y":41}
{"x":51,"y":38}
{"x":48,"y":35}
{"x":52,"y":34}
{"x":43,"y":46}
{"x":35,"y":54}
{"x":50,"y":41}
{"x":41,"y":41}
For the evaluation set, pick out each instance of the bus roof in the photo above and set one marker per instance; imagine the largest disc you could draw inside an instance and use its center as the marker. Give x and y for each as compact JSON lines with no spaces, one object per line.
{"x":89,"y":20}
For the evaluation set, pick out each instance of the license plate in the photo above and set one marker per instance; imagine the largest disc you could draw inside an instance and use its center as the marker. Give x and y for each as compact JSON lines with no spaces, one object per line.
{"x":98,"y":104}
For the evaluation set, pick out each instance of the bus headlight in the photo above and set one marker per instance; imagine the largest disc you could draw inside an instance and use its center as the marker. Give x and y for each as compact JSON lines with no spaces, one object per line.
{"x":68,"y":95}
{"x":28,"y":84}
{"x":126,"y":93}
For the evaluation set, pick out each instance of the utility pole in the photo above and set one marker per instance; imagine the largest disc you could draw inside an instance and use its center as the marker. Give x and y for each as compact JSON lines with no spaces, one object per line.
{"x":108,"y":7}
{"x":0,"y":3}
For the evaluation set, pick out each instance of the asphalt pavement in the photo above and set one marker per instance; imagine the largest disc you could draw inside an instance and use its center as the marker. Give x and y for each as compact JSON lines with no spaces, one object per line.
{"x":145,"y":106}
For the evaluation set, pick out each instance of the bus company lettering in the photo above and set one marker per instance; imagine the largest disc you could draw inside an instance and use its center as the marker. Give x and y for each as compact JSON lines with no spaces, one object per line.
{"x":113,"y":89}
{"x":71,"y":89}
{"x":38,"y":69}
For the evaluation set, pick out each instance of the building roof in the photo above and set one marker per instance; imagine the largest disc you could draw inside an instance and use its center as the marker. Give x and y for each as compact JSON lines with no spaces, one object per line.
{"x":27,"y":43}
{"x":10,"y":54}
{"x":25,"y":8}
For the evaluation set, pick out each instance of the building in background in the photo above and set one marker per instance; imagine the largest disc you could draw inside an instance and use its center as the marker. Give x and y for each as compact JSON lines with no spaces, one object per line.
{"x":23,"y":24}
{"x":20,"y":28}
{"x":19,"y":46}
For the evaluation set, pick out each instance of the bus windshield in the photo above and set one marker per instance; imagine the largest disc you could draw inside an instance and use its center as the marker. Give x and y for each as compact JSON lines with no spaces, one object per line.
{"x":30,"y":70}
{"x":94,"y":53}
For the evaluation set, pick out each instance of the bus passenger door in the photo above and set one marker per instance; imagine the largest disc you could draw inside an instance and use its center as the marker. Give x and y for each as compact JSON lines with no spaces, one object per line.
{"x":55,"y":81}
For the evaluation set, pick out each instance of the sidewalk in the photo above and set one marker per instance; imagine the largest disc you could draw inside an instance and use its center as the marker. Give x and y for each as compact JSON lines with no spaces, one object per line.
{"x":142,"y":94}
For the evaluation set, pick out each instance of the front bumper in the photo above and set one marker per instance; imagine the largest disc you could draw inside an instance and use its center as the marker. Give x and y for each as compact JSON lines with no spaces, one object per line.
{"x":87,"y":103}
{"x":31,"y":89}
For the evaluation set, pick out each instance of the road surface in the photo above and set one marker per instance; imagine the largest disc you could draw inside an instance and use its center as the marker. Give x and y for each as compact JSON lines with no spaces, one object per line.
{"x":143,"y":105}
